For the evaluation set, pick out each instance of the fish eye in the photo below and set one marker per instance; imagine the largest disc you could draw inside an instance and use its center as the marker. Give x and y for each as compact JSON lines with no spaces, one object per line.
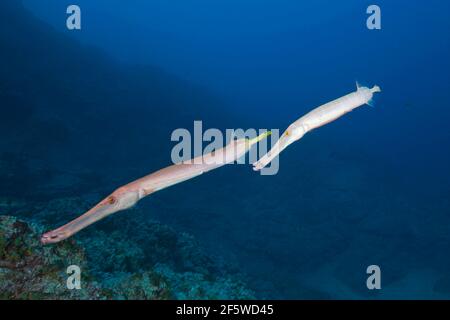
{"x":111,"y":200}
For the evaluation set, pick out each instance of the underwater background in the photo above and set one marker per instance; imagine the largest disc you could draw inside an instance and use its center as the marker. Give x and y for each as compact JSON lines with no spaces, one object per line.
{"x":84,"y":112}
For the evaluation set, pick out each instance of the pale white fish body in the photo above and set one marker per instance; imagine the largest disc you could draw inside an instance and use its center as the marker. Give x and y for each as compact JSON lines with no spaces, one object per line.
{"x":189,"y":169}
{"x":316,"y":118}
{"x":129,"y":194}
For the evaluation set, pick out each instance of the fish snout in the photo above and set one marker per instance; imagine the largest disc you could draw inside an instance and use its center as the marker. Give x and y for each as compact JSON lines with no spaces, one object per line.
{"x":54,"y":236}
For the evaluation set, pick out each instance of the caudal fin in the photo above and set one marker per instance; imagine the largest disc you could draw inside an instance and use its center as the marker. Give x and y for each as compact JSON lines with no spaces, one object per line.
{"x":375,"y":89}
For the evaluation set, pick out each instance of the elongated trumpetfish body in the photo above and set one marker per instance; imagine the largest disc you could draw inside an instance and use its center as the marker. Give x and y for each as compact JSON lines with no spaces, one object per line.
{"x":317,"y":118}
{"x":128,"y":195}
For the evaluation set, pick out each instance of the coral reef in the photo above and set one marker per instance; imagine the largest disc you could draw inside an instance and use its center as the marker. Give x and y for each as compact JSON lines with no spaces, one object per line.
{"x":112,"y":267}
{"x":29,"y":270}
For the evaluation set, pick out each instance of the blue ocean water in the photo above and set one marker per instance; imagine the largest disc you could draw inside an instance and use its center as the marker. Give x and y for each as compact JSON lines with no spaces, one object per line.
{"x":89,"y":110}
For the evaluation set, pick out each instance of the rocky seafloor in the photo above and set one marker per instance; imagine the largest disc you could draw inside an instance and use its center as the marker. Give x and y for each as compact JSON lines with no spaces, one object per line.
{"x":118,"y":260}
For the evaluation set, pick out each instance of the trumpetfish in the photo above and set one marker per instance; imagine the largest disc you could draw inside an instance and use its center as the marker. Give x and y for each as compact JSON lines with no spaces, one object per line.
{"x":316,"y":118}
{"x":128,"y":195}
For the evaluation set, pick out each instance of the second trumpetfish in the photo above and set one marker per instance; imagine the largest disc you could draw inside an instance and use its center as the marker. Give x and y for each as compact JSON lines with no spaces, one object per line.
{"x":316,"y":118}
{"x":127,"y":196}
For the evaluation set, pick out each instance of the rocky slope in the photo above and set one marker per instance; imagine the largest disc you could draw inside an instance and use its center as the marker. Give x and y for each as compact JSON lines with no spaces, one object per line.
{"x":111,"y":268}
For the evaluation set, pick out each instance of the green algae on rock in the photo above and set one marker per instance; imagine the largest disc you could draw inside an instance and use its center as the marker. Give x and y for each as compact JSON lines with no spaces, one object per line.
{"x":29,"y":270}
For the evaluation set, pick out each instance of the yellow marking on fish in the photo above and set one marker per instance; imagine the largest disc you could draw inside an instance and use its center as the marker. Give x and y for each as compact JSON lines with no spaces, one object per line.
{"x":259,"y":138}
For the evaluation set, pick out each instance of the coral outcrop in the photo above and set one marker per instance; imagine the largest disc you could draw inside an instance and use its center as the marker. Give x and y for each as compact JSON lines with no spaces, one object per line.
{"x":112,"y":267}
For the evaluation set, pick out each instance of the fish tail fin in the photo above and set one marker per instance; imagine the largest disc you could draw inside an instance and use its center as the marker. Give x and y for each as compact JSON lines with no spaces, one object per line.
{"x":375,"y":89}
{"x":260,"y":137}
